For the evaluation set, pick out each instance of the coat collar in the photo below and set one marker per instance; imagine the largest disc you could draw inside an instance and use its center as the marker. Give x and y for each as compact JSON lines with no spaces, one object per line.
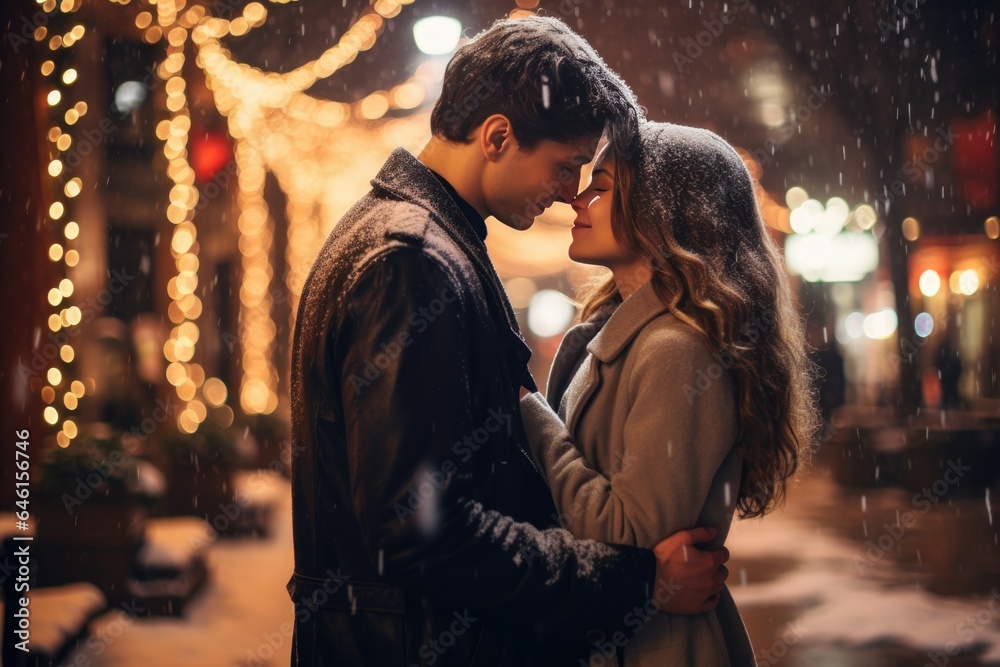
{"x":406,"y":177}
{"x":625,"y":323}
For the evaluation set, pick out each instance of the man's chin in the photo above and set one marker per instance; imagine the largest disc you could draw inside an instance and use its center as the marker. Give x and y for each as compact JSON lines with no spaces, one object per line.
{"x":518,"y":221}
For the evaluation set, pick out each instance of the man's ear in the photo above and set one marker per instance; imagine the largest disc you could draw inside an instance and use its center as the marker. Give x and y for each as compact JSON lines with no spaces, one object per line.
{"x":496,"y":136}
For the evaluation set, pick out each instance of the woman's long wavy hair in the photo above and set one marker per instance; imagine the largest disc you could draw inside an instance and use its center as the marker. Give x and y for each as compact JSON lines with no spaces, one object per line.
{"x":684,"y":201}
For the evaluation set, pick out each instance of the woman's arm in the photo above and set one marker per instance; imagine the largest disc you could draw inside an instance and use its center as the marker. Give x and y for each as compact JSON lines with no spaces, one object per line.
{"x":677,"y":434}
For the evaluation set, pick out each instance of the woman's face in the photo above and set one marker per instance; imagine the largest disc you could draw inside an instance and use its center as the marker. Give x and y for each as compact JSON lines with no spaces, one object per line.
{"x":593,"y":240}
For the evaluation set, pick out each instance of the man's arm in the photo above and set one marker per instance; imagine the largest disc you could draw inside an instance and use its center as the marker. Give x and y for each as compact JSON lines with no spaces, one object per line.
{"x":403,"y":355}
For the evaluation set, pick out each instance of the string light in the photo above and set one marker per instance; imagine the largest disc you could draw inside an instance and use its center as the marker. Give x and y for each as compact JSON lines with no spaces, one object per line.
{"x":183,"y":372}
{"x":58,"y":380}
{"x":275,"y":125}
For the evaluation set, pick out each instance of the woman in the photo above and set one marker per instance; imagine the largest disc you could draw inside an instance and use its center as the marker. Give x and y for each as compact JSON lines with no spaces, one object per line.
{"x":685,"y":393}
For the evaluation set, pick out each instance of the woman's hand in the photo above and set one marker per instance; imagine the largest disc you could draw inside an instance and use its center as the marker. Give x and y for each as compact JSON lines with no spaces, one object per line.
{"x":524,"y":392}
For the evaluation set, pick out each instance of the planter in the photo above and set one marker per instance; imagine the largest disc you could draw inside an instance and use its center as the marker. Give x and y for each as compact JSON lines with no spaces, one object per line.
{"x":91,"y":539}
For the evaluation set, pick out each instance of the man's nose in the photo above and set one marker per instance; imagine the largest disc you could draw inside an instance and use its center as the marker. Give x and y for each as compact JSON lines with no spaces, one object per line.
{"x":567,"y":193}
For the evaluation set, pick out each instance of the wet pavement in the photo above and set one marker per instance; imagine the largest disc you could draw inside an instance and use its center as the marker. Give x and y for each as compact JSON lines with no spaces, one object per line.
{"x":867,"y":577}
{"x":830,"y":580}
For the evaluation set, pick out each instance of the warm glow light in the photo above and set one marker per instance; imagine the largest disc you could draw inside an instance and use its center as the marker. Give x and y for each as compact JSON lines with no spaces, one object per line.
{"x":880,"y":325}
{"x":844,"y":257}
{"x":54,"y":377}
{"x":854,"y":325}
{"x":930,"y":283}
{"x":73,"y":187}
{"x":374,"y":106}
{"x":968,"y":282}
{"x":69,"y":76}
{"x":71,"y":230}
{"x":54,"y":97}
{"x":50,"y":414}
{"x":56,"y":210}
{"x":66,"y":353}
{"x":865,"y":216}
{"x":795,"y":197}
{"x":55,"y":168}
{"x":911,"y":229}
{"x":550,"y":312}
{"x":992,"y":227}
{"x":215,"y":392}
{"x":437,"y":35}
{"x":55,"y":253}
{"x":953,"y":283}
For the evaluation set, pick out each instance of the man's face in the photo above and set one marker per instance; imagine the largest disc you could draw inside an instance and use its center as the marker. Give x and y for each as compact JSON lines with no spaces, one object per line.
{"x":524,"y":182}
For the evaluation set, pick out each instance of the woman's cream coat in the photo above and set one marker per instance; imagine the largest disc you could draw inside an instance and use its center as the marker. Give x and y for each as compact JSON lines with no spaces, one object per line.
{"x":636,"y":442}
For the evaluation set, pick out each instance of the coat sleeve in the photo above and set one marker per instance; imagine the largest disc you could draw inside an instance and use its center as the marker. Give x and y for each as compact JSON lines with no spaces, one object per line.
{"x":402,"y":355}
{"x":675,"y":437}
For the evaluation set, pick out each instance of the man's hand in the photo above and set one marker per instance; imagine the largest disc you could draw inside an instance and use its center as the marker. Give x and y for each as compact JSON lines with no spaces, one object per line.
{"x":689,"y":580}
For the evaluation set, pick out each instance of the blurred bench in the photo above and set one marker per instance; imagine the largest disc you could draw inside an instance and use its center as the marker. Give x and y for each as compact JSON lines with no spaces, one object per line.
{"x":59,"y":616}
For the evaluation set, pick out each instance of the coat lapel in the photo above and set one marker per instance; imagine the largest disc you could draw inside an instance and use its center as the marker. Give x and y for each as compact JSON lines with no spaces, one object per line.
{"x":407,"y":178}
{"x":598,"y":340}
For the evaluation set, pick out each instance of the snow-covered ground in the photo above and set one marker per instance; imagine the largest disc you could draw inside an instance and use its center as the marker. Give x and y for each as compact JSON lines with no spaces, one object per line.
{"x":794,"y":574}
{"x":241,"y":618}
{"x":847,"y":594}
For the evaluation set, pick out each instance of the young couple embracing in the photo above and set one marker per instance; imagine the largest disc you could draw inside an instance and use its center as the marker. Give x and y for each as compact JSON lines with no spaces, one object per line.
{"x":447,"y":513}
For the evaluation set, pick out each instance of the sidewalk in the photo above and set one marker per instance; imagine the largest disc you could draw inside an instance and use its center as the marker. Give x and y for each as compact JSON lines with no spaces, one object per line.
{"x":814,"y":587}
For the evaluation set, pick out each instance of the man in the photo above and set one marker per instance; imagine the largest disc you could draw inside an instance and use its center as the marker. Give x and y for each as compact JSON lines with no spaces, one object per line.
{"x":423,"y":533}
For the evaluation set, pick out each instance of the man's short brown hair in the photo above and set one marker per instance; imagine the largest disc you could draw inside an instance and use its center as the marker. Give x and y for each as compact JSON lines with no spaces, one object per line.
{"x":547,"y":80}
